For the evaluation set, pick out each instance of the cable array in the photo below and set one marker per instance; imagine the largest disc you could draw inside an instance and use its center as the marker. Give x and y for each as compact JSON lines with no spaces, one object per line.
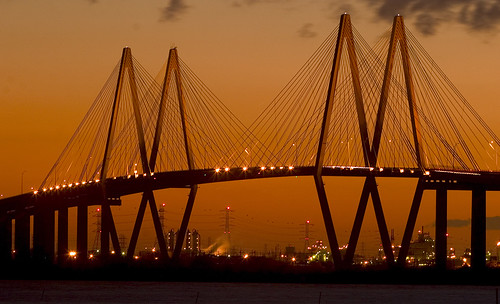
{"x":453,"y":135}
{"x":449,"y":132}
{"x":214,"y":132}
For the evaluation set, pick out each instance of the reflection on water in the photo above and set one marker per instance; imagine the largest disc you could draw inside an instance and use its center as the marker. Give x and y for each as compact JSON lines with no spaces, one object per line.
{"x":196,"y":292}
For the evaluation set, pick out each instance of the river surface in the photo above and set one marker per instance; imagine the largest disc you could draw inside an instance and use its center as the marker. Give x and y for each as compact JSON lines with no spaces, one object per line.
{"x":198,"y":292}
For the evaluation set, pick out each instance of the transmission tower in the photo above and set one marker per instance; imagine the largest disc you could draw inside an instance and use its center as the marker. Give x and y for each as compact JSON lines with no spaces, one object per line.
{"x":307,"y":236}
{"x":122,"y":239}
{"x":161,"y":215}
{"x":227,"y":230}
{"x":97,"y":223}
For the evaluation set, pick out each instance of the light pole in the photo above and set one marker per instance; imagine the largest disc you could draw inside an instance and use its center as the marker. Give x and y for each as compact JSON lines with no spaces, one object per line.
{"x":348,"y":150}
{"x":453,"y":155}
{"x":498,"y":256}
{"x":22,"y":180}
{"x":496,"y":154}
{"x":392,"y":147}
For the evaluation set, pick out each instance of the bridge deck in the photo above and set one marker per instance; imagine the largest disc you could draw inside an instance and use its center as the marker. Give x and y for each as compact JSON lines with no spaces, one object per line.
{"x":93,"y":192}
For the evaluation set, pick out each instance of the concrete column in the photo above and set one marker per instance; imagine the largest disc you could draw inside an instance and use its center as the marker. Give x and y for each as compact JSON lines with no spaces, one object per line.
{"x":82,"y":232}
{"x":43,"y":235}
{"x":441,"y":227}
{"x":478,"y":229}
{"x":22,"y":235}
{"x":105,"y":229}
{"x":5,"y":239}
{"x":62,"y":235}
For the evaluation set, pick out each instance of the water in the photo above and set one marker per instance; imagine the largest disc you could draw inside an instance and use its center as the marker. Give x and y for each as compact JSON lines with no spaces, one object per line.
{"x":196,"y":292}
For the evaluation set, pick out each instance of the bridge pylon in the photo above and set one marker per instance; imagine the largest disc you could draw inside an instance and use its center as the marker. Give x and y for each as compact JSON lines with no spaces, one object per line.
{"x":107,"y":223}
{"x":172,"y":74}
{"x":345,"y":36}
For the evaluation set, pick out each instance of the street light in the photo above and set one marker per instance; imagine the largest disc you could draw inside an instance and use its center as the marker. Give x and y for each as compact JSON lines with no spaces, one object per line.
{"x":496,"y":154}
{"x":392,"y":147}
{"x":498,"y":256}
{"x":348,"y":149}
{"x":453,"y":155}
{"x":22,"y":180}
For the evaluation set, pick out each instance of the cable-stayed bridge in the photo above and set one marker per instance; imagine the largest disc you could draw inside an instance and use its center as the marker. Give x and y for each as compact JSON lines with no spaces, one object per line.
{"x":352,"y":110}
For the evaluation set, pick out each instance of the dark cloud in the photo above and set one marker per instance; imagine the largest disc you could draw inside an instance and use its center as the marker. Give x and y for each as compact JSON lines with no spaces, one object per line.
{"x":306,"y":31}
{"x":429,"y":15}
{"x":493,"y":223}
{"x":253,"y":2}
{"x":174,"y":9}
{"x":92,"y":1}
{"x":456,"y":223}
{"x":427,"y":24}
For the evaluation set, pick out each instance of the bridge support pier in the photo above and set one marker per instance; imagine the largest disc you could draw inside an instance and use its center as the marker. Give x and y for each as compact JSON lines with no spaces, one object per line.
{"x":441,"y":227}
{"x":43,"y":235}
{"x":105,"y":228}
{"x":62,"y":235}
{"x":185,"y":222}
{"x":5,"y":239}
{"x":22,"y":235}
{"x":478,"y":229}
{"x":370,"y":187}
{"x":82,"y":232}
{"x":108,"y":229}
{"x":356,"y":227}
{"x":410,"y":224}
{"x":327,"y":218}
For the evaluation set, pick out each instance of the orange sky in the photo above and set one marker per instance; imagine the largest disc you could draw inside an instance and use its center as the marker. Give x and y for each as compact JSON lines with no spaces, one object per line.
{"x":56,"y":56}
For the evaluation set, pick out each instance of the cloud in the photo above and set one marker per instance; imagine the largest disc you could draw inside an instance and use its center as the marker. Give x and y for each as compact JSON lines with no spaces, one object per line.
{"x":456,"y":223}
{"x":173,"y":10}
{"x":253,"y":2}
{"x":306,"y":31}
{"x":478,"y":15}
{"x":493,"y":223}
